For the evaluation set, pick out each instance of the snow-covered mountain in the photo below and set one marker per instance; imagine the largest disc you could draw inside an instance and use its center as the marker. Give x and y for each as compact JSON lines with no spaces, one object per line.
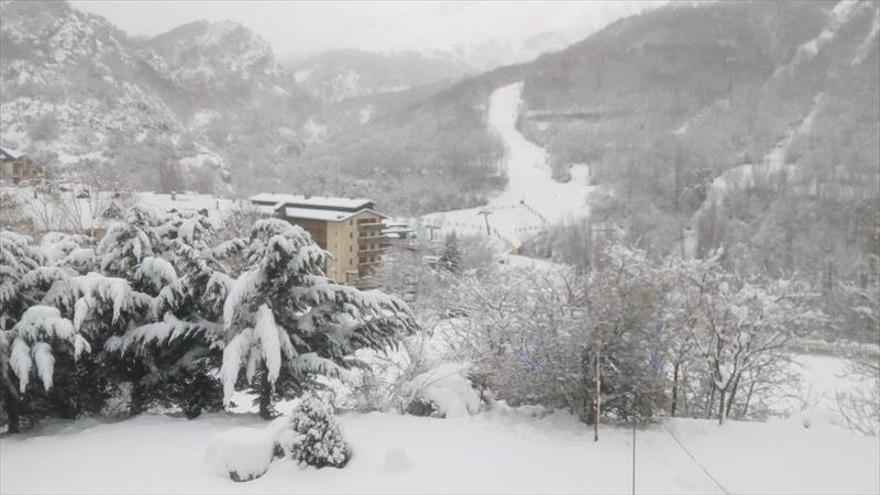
{"x":179,"y":110}
{"x":341,"y":74}
{"x":216,"y":56}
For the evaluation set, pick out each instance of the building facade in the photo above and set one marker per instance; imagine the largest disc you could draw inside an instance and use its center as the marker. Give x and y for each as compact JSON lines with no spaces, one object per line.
{"x":16,"y":167}
{"x":349,"y":229}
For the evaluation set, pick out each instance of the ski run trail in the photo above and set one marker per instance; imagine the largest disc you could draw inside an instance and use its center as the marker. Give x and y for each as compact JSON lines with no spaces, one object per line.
{"x":532,"y":198}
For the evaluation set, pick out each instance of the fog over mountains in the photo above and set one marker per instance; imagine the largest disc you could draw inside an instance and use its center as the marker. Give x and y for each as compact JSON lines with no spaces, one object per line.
{"x":678,"y":96}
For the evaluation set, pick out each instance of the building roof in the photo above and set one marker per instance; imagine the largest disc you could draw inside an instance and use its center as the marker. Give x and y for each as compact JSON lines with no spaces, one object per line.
{"x":326,"y":215}
{"x":313,"y":213}
{"x":14,"y":154}
{"x":316,"y":202}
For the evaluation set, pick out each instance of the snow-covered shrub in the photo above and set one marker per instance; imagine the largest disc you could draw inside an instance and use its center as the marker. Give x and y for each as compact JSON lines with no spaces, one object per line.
{"x":127,"y":243}
{"x":860,"y":407}
{"x":33,"y":341}
{"x":317,"y":439}
{"x":242,"y":454}
{"x":443,"y":391}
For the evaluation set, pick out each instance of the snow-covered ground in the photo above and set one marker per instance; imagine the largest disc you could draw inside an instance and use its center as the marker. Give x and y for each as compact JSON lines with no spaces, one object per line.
{"x":500,"y":452}
{"x":503,"y":450}
{"x":70,"y":212}
{"x":531,"y":198}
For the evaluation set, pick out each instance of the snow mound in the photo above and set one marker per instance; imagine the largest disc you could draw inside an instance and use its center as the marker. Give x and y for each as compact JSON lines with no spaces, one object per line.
{"x":817,"y":416}
{"x":396,"y":461}
{"x":242,"y":454}
{"x":448,"y":387}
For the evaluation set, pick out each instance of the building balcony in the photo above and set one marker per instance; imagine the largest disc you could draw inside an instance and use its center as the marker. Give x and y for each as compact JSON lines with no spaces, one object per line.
{"x":371,"y":251}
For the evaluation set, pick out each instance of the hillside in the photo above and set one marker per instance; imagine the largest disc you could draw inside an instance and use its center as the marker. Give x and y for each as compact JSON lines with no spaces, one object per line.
{"x":341,"y":74}
{"x":185,"y":109}
{"x":664,"y":103}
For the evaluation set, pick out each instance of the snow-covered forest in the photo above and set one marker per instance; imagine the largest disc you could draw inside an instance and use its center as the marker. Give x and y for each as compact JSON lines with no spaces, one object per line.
{"x":600,"y":276}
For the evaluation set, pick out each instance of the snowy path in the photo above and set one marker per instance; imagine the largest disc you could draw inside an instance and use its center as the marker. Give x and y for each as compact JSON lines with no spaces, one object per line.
{"x":501,"y":451}
{"x":531,"y":198}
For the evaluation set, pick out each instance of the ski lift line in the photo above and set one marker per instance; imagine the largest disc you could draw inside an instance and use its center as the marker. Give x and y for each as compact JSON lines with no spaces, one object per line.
{"x":694,"y":459}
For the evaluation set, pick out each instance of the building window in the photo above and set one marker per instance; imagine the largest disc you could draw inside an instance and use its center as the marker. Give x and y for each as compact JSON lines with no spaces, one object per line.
{"x":351,"y":235}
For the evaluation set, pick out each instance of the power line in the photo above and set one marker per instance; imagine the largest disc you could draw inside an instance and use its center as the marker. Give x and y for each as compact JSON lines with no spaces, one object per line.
{"x":688,"y":452}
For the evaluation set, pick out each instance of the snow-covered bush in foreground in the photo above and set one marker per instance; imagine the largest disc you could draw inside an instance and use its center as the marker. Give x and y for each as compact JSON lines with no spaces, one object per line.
{"x":31,"y":343}
{"x":317,"y":438}
{"x":443,"y":391}
{"x":242,"y":454}
{"x":310,"y":436}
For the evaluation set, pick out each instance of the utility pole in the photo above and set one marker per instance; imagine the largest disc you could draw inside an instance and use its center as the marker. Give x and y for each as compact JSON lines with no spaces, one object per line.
{"x":597,"y":337}
{"x":486,"y":214}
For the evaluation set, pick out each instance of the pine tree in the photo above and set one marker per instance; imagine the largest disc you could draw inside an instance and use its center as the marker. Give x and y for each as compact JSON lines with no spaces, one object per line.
{"x":450,"y":258}
{"x":17,"y":258}
{"x":126,"y":244}
{"x":285,"y":321}
{"x":34,"y":338}
{"x":173,"y":350}
{"x":189,"y":353}
{"x":115,"y":307}
{"x":317,"y":439}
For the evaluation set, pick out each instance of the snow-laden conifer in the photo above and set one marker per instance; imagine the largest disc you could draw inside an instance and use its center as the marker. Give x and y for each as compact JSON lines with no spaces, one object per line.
{"x":287,"y":321}
{"x":39,"y":333}
{"x":317,"y":438}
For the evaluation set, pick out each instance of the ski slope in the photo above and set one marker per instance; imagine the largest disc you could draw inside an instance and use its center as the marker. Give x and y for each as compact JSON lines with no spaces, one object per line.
{"x":532,"y":198}
{"x":773,"y":165}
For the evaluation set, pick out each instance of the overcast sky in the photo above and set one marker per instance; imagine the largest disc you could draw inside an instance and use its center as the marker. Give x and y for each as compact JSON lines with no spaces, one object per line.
{"x":310,"y":27}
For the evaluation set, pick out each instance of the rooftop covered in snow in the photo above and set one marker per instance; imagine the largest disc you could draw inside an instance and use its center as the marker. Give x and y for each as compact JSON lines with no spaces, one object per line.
{"x":10,"y":153}
{"x":312,"y":213}
{"x":348,"y":205}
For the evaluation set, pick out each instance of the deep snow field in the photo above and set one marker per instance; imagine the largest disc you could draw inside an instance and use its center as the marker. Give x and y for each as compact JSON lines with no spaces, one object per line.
{"x":502,"y":450}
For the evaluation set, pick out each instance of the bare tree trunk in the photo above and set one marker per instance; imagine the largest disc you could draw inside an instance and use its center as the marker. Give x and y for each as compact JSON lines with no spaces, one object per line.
{"x":265,"y":392}
{"x":721,"y":396}
{"x":730,"y":400}
{"x":684,"y":388}
{"x":674,"y":389}
{"x":11,"y":406}
{"x":711,"y":400}
{"x":748,"y":399}
{"x":136,"y":404}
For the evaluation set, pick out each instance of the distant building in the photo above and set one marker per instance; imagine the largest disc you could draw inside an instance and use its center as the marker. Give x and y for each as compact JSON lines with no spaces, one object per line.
{"x":398,"y":232}
{"x":349,"y":229}
{"x":16,"y":167}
